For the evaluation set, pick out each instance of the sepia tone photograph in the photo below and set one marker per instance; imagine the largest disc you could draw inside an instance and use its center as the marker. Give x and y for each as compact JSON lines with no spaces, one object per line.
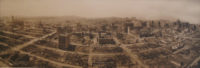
{"x":99,"y":33}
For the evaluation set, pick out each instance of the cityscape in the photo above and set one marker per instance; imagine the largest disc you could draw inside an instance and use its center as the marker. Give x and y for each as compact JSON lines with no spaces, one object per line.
{"x":99,"y":33}
{"x":113,"y":42}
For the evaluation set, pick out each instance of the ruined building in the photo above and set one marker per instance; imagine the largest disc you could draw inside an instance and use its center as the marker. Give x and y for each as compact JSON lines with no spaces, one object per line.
{"x":105,"y":38}
{"x":127,"y":27}
{"x":64,"y":41}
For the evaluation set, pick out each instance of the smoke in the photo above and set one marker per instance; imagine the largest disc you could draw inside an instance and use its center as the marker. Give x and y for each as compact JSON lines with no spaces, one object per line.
{"x":187,"y":10}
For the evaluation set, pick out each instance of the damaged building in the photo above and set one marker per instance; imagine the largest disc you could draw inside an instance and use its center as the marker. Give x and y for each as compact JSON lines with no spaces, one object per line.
{"x":105,"y":38}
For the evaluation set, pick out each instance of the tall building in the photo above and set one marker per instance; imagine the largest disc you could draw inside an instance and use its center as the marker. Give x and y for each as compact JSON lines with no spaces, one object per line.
{"x":64,"y":41}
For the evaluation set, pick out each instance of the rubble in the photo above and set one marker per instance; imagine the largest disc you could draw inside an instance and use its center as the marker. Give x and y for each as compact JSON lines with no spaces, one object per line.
{"x":99,"y":43}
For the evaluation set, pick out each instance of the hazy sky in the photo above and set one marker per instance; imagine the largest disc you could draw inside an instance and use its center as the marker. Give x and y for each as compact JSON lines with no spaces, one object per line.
{"x":188,"y":10}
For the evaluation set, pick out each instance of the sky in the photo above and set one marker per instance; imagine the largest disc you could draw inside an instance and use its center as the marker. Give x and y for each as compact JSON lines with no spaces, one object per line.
{"x":187,"y":10}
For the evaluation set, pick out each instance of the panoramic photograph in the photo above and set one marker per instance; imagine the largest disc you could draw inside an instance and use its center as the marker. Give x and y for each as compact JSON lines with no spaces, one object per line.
{"x":99,"y":33}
